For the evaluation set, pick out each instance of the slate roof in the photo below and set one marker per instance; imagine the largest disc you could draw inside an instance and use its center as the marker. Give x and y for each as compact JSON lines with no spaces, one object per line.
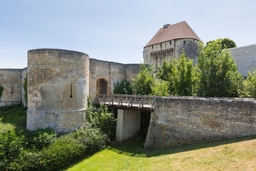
{"x":175,"y":31}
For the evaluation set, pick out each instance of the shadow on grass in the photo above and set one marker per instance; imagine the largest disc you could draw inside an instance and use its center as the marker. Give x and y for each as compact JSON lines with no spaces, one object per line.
{"x":15,"y":115}
{"x":136,"y":147}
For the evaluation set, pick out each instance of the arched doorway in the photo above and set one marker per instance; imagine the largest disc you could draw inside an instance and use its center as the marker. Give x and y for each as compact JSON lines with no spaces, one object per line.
{"x":102,"y":86}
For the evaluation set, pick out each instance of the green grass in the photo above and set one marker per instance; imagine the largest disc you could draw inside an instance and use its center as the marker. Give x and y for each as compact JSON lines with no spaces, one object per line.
{"x":228,"y":154}
{"x":13,"y":117}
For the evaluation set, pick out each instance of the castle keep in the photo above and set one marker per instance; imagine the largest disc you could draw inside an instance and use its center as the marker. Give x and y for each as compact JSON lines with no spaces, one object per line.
{"x":169,"y":42}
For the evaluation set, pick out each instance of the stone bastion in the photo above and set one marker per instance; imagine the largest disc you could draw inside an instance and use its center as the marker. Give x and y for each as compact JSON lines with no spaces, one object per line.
{"x":58,"y":86}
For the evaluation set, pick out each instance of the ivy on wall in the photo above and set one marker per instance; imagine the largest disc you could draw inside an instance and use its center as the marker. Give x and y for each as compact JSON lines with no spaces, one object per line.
{"x":1,"y":90}
{"x":25,"y":86}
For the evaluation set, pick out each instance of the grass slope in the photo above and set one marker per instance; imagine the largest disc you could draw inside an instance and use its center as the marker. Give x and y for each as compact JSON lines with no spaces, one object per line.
{"x":229,"y":154}
{"x":13,"y":117}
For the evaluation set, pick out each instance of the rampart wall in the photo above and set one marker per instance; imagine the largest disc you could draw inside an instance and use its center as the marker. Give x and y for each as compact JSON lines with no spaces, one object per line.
{"x":184,"y":120}
{"x":245,"y":58}
{"x":111,"y":72}
{"x":10,"y":79}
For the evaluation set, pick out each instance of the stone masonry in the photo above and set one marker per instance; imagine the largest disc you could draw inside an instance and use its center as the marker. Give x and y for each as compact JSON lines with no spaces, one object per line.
{"x":184,"y":120}
{"x":58,"y":86}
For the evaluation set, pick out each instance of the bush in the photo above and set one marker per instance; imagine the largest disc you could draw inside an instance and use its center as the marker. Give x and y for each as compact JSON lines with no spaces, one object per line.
{"x":42,"y":138}
{"x":64,"y":151}
{"x":123,"y":87}
{"x":11,"y":145}
{"x":101,"y":119}
{"x":250,"y":85}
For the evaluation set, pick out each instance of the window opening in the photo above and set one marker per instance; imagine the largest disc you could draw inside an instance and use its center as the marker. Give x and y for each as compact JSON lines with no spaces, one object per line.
{"x":71,"y":91}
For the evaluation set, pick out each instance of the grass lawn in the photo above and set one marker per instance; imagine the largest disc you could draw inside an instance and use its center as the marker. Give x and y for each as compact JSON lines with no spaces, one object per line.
{"x":13,"y":117}
{"x":229,"y":154}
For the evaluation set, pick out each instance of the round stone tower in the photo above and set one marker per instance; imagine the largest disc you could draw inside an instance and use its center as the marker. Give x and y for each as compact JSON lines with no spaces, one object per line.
{"x":58,"y":87}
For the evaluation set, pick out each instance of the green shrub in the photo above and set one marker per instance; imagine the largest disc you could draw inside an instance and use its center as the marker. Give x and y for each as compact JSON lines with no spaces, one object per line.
{"x":92,"y":137}
{"x":250,"y":85}
{"x":64,"y":151}
{"x":11,"y":145}
{"x":123,"y":87}
{"x":102,"y":119}
{"x":43,"y":138}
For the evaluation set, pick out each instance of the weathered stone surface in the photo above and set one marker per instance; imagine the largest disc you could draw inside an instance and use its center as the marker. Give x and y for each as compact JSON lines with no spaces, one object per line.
{"x":183,"y":120}
{"x":58,"y":86}
{"x":10,"y":79}
{"x":111,"y":72}
{"x":128,"y":124}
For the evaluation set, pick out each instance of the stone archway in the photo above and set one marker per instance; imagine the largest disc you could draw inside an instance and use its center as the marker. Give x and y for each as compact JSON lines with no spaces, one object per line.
{"x":102,"y":86}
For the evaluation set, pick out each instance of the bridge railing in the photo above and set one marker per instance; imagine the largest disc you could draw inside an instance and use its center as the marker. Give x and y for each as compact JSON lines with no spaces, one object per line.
{"x":137,"y":101}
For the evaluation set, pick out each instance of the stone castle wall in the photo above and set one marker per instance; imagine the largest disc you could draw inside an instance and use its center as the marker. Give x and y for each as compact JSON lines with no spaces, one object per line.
{"x":10,"y":79}
{"x":111,"y":72}
{"x":155,"y":54}
{"x":184,"y":120}
{"x":245,"y":58}
{"x":58,"y":86}
{"x":190,"y":47}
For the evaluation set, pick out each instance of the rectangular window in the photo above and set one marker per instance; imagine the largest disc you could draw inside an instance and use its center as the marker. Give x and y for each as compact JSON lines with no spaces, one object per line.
{"x":184,"y":42}
{"x":170,"y":42}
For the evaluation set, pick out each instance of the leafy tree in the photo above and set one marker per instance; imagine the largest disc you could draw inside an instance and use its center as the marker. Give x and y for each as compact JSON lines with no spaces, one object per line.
{"x":142,"y":83}
{"x":183,"y":76}
{"x":166,"y":73}
{"x":218,"y":74}
{"x":250,"y":84}
{"x":160,"y":88}
{"x":179,"y":75}
{"x":123,"y":87}
{"x":101,"y":119}
{"x":224,"y":43}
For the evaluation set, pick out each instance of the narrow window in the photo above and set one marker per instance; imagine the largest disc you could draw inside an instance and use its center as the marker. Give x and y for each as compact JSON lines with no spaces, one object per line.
{"x":71,"y":91}
{"x":184,"y":42}
{"x":12,"y":91}
{"x":170,"y":42}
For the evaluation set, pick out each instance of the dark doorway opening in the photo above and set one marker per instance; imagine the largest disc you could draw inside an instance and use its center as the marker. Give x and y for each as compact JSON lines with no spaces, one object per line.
{"x":144,"y":123}
{"x":102,"y":86}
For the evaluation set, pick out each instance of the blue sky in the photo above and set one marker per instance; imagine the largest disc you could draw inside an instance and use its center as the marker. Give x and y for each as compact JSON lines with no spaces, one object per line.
{"x":114,"y":30}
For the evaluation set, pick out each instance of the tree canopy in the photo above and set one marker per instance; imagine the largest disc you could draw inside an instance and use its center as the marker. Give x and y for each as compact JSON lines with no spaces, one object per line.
{"x":218,"y":73}
{"x":142,"y":83}
{"x":224,"y":43}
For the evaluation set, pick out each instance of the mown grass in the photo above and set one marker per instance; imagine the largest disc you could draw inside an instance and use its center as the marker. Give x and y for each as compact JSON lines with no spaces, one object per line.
{"x":228,"y":154}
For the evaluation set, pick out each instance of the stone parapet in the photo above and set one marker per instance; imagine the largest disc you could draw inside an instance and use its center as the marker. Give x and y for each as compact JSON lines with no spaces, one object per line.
{"x":184,"y":120}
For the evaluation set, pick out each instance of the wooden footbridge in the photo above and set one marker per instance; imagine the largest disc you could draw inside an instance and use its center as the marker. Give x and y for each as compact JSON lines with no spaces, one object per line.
{"x":121,"y":101}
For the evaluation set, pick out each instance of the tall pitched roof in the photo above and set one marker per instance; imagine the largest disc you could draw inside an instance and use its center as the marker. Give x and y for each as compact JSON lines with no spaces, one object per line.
{"x":171,"y":32}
